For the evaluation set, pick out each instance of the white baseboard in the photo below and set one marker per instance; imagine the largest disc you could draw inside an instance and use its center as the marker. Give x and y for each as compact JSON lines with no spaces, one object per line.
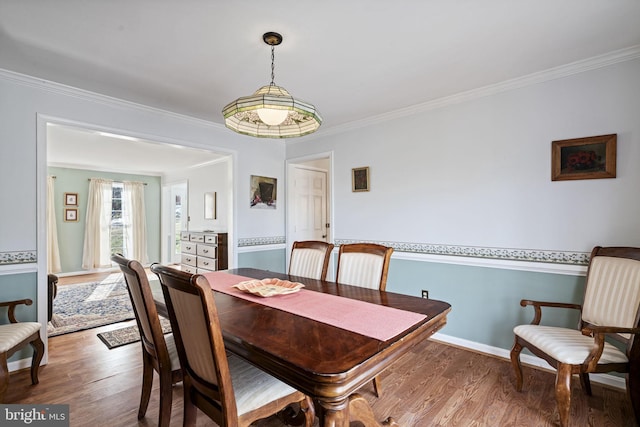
{"x":16,"y":365}
{"x":527,"y":359}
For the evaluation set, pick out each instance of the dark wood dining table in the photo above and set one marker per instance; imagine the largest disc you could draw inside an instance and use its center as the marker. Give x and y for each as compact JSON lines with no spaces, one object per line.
{"x":325,"y":362}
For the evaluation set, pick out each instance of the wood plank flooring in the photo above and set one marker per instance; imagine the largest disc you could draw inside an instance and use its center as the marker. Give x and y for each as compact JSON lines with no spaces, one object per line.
{"x":434,"y":385}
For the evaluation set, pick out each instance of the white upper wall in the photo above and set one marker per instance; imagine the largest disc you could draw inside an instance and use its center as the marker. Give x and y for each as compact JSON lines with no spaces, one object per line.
{"x":479,"y":173}
{"x":201,"y":180}
{"x":23,"y":100}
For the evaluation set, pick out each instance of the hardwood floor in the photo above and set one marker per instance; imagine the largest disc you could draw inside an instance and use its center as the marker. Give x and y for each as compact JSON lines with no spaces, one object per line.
{"x":434,"y":385}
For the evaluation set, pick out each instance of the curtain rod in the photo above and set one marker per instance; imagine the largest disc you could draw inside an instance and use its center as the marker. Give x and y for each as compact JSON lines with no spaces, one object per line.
{"x":143,"y":183}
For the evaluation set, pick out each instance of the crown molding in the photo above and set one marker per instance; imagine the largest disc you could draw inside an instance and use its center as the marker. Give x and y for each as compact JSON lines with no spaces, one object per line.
{"x":577,"y":67}
{"x":62,"y":89}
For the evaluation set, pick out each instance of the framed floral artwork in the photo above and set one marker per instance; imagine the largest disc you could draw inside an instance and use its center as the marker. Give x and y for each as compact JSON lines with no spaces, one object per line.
{"x":592,"y":157}
{"x":360,"y":179}
{"x":263,"y":192}
{"x":71,"y":199}
{"x":71,"y":214}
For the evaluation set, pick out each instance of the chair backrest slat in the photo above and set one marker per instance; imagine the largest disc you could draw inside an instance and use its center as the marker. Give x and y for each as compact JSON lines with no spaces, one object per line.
{"x":310,"y":259}
{"x":192,"y":323}
{"x":612,"y":296}
{"x":364,"y":264}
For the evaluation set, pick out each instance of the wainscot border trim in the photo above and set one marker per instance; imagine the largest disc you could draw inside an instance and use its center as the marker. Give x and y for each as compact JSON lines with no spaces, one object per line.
{"x":260,"y":241}
{"x":18,"y":257}
{"x":527,"y":255}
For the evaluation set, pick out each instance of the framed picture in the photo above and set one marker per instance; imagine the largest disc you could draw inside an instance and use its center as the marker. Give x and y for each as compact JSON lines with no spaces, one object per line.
{"x":71,"y":199}
{"x":592,"y":157}
{"x":71,"y":214}
{"x":360,"y":179}
{"x":210,"y":205}
{"x":263,"y":192}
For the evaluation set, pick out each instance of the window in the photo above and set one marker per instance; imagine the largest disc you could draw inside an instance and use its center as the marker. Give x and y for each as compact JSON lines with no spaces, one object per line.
{"x":117,"y":223}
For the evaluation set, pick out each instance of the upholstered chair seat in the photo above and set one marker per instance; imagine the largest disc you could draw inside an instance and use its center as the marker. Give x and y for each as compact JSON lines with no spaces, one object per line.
{"x":13,"y":337}
{"x":567,"y":345}
{"x":13,"y":334}
{"x":253,"y":388}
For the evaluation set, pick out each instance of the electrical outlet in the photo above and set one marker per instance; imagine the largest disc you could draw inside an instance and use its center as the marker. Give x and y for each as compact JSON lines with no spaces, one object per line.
{"x":425,"y":294}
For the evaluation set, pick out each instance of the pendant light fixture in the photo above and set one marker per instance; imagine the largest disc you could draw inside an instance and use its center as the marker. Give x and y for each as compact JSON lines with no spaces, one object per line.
{"x":271,"y":112}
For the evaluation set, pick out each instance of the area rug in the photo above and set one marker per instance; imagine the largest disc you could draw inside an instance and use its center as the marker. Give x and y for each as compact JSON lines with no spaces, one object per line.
{"x":128,"y":335}
{"x":89,"y":305}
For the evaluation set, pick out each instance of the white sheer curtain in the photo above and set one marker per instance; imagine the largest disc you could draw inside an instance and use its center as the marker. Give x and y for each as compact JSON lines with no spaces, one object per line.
{"x":134,"y":219}
{"x":97,"y":235}
{"x":53,"y":251}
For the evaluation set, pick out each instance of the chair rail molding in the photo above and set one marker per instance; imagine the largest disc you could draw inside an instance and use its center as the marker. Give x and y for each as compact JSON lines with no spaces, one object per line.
{"x":18,"y":257}
{"x":547,"y":261}
{"x":261,"y":241}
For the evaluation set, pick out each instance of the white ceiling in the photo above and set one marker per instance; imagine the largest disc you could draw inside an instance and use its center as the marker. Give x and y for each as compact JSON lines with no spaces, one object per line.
{"x":354,"y":59}
{"x":72,"y":147}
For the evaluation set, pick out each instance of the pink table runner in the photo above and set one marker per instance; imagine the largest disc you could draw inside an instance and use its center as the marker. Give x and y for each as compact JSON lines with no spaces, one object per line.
{"x":372,"y":320}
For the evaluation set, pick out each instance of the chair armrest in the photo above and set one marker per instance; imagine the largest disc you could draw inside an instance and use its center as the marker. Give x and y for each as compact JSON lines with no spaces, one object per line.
{"x":537,"y":307}
{"x":12,"y":307}
{"x":598,"y":333}
{"x":592,"y":330}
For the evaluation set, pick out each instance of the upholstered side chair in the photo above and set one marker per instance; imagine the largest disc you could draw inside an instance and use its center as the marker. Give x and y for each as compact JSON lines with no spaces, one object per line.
{"x":610,"y":311}
{"x":229,"y":390}
{"x":159,"y":352}
{"x":13,"y":337}
{"x":365,"y":265}
{"x":310,"y":258}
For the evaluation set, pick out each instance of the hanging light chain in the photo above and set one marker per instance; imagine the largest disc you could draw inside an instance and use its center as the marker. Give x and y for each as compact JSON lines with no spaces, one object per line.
{"x":272,"y":66}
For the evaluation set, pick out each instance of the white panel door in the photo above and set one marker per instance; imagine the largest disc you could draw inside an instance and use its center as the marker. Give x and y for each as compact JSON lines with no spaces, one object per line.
{"x":309,"y":214}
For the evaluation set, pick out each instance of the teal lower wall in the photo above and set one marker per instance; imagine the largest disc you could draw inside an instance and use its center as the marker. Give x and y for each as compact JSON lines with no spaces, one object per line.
{"x":272,"y":260}
{"x":15,"y":287}
{"x":485,"y":301}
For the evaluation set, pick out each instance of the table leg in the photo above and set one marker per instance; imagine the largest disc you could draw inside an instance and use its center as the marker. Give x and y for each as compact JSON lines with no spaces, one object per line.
{"x":333,"y":414}
{"x":359,"y":410}
{"x":355,"y":408}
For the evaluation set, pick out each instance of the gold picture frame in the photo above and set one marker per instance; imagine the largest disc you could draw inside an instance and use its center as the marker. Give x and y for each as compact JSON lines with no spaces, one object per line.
{"x":71,"y":199}
{"x":592,"y":157}
{"x":360,"y":179}
{"x":71,"y":215}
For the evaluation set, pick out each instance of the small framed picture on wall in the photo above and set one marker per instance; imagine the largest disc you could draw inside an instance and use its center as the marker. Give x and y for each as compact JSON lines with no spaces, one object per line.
{"x":360,"y":179}
{"x":71,"y":199}
{"x":71,"y":214}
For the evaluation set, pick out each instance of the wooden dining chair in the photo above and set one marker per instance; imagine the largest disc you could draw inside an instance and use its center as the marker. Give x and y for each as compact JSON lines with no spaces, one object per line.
{"x":14,"y":336}
{"x":611,"y":309}
{"x":365,"y":265}
{"x":310,"y":258}
{"x":159,"y":352}
{"x":226,"y":388}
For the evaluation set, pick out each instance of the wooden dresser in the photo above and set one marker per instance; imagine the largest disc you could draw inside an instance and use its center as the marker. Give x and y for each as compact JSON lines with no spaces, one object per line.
{"x":203,"y":251}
